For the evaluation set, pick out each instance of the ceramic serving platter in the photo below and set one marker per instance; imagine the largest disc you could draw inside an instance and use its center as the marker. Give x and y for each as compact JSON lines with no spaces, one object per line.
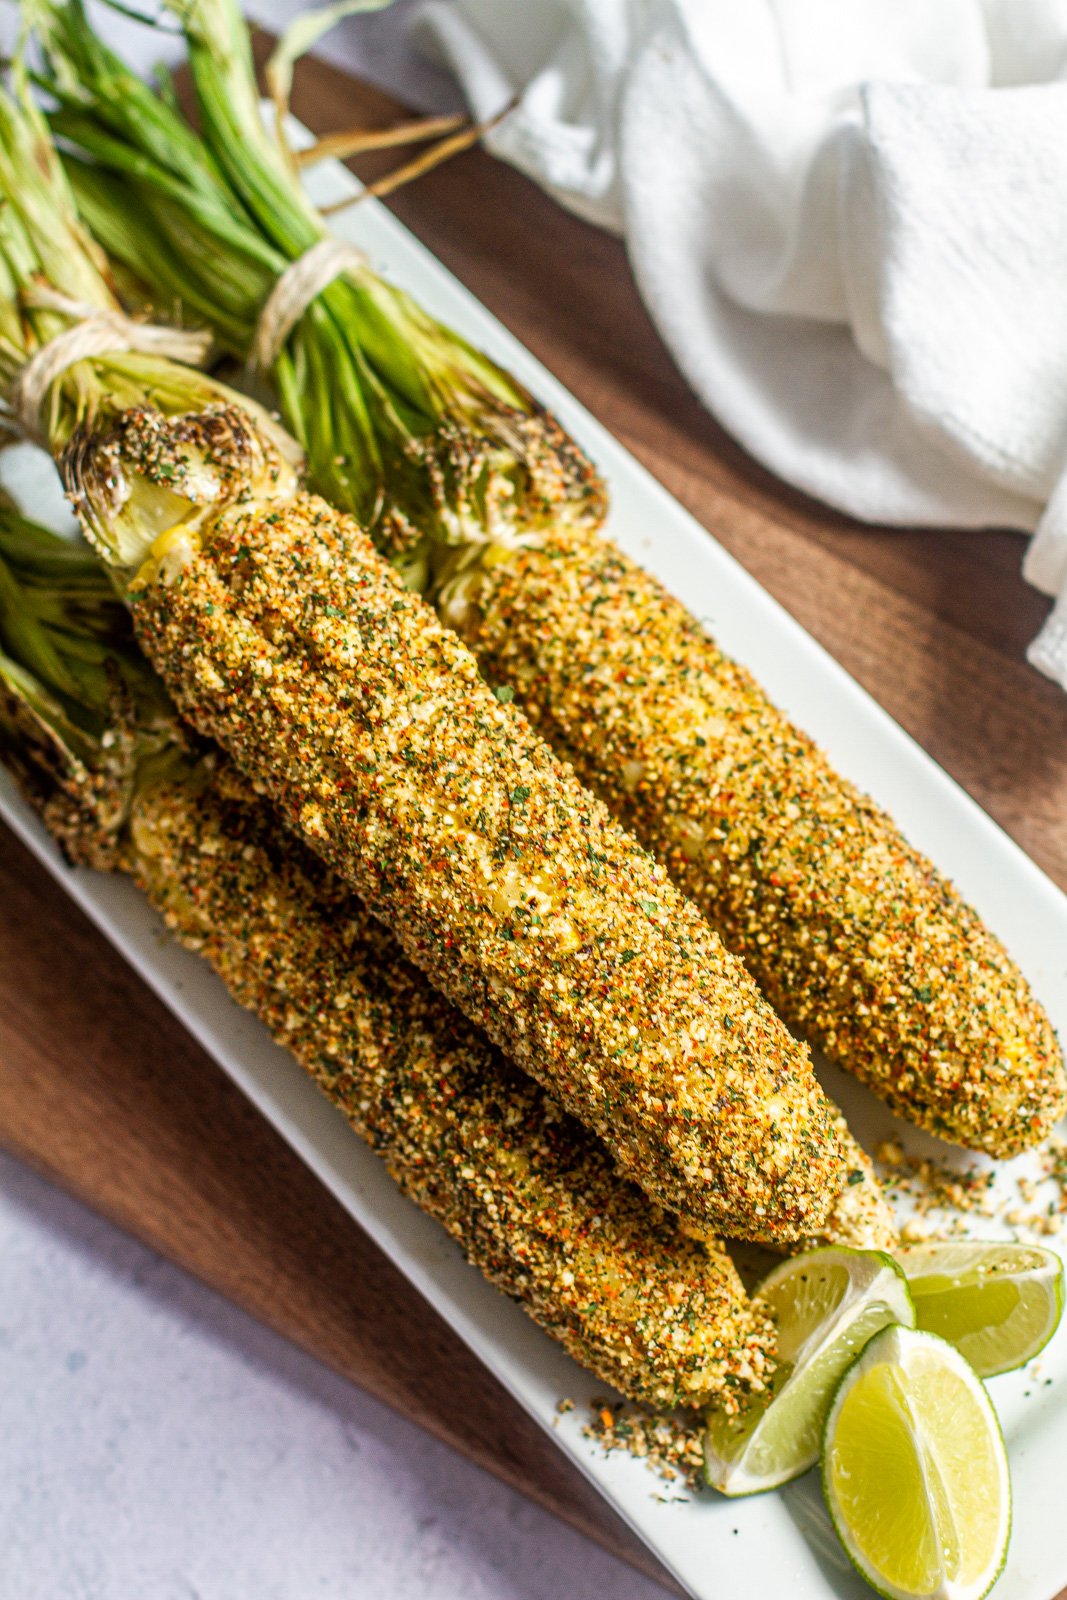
{"x":777,"y":1543}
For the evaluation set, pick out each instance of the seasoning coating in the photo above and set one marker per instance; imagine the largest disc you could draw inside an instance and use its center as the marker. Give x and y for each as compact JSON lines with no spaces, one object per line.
{"x":862,"y":1216}
{"x":854,"y":937}
{"x":285,"y":636}
{"x":531,"y":1197}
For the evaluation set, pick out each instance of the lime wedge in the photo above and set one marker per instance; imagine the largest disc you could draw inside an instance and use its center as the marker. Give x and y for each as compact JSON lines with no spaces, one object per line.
{"x":915,"y":1472}
{"x":999,"y":1304}
{"x":827,"y":1304}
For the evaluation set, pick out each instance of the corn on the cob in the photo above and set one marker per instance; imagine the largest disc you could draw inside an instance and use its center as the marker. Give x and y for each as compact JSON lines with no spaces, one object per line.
{"x":530,"y":1196}
{"x":284,"y":635}
{"x":855,"y":938}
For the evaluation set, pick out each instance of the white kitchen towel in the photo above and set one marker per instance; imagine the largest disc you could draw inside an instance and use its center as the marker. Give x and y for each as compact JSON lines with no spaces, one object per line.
{"x":848,"y":219}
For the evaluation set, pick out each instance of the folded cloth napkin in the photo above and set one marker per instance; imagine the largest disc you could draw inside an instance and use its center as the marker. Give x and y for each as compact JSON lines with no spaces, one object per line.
{"x":848,"y":219}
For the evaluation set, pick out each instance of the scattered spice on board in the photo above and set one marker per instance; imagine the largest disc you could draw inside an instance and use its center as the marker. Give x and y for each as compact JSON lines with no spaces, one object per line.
{"x":671,"y":1443}
{"x":1033,"y":1202}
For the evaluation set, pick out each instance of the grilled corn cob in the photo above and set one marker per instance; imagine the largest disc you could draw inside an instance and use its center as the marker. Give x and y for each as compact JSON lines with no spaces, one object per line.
{"x":282,"y":634}
{"x":852,"y":934}
{"x":530,"y":1196}
{"x":855,"y":938}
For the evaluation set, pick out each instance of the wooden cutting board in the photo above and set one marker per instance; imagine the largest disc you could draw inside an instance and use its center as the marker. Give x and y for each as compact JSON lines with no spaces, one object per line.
{"x":104,"y":1092}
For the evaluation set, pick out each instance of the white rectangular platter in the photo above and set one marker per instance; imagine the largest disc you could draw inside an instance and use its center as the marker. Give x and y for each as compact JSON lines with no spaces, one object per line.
{"x":732,"y":1550}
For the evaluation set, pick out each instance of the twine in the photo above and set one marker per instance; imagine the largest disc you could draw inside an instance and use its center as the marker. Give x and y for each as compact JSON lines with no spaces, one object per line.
{"x":302,"y":281}
{"x":96,"y":332}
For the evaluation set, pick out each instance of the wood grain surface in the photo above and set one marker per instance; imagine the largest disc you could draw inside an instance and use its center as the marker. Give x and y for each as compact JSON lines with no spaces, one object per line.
{"x":104,"y":1092}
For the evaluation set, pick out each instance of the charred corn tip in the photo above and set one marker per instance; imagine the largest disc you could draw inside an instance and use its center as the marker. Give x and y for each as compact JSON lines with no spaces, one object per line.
{"x":143,"y":485}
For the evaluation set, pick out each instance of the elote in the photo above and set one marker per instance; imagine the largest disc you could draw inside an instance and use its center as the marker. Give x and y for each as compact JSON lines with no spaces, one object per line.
{"x":529,"y":1195}
{"x":283,"y":635}
{"x":854,"y":936}
{"x":281,"y":632}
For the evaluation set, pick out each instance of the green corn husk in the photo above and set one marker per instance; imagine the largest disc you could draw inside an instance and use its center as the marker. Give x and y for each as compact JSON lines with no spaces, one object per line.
{"x":83,"y":719}
{"x":45,"y":253}
{"x":438,"y":451}
{"x":530,"y":1196}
